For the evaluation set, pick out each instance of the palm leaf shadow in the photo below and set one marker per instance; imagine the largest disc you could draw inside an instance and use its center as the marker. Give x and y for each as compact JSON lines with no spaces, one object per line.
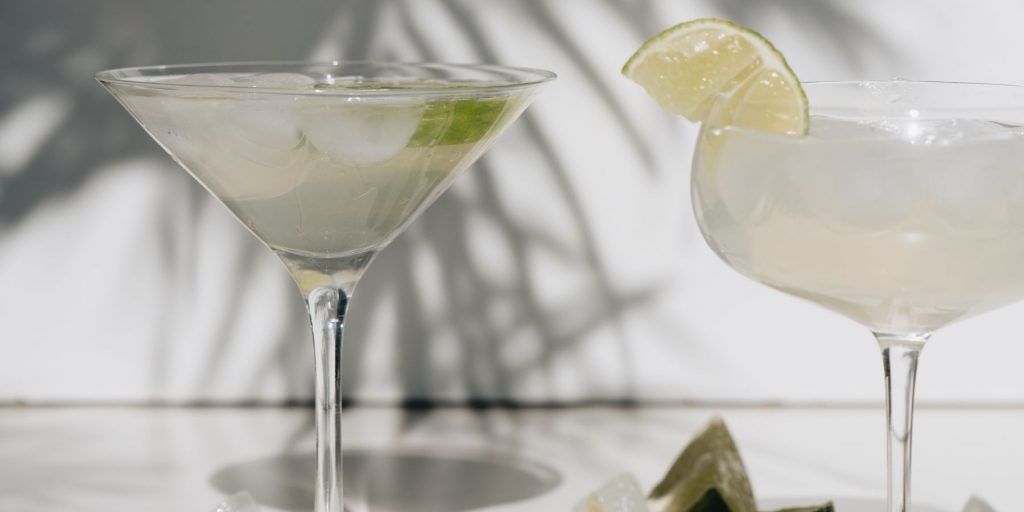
{"x":445,"y":232}
{"x":828,"y":24}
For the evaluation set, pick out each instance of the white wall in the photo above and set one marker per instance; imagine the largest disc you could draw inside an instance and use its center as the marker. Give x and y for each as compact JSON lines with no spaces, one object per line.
{"x":565,"y":266}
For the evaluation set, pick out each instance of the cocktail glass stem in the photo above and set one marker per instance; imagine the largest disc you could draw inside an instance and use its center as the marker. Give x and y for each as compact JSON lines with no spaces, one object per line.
{"x":327,"y":307}
{"x":899,"y":356}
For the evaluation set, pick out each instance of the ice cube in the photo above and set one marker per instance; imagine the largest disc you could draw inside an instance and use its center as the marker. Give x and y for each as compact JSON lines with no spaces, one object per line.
{"x":976,"y":504}
{"x":197,"y":79}
{"x":742,"y":180}
{"x":271,"y":127}
{"x":294,"y":81}
{"x":860,"y":185}
{"x":241,"y":150}
{"x":894,"y":91}
{"x":911,"y":127}
{"x":361,"y":134}
{"x":971,"y":185}
{"x":620,"y":494}
{"x":240,"y":502}
{"x":832,"y":128}
{"x":274,"y":80}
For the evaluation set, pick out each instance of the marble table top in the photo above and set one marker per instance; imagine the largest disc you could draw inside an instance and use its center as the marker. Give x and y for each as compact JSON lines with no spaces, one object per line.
{"x":114,"y":459}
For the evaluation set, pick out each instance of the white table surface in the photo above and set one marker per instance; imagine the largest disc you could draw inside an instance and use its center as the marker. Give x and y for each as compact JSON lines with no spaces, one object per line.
{"x":186,"y":459}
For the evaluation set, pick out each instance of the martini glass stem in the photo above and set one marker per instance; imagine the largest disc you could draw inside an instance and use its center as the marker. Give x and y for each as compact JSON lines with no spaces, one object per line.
{"x":327,"y":307}
{"x":899,"y":356}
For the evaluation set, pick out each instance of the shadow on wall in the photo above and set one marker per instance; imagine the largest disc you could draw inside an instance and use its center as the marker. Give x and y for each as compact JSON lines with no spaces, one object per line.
{"x":827,"y":25}
{"x":444,"y":230}
{"x":58,"y":128}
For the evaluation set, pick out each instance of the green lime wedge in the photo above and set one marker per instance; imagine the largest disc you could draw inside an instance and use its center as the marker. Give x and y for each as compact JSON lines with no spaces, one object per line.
{"x":714,"y":70}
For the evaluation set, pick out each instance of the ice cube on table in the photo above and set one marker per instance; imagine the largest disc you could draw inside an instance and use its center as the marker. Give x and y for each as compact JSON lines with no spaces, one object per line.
{"x":976,"y":504}
{"x":620,"y":494}
{"x":240,"y":502}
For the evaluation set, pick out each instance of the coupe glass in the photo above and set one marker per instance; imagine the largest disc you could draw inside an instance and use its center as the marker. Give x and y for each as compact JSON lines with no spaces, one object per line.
{"x":902,"y":209}
{"x":326,"y":163}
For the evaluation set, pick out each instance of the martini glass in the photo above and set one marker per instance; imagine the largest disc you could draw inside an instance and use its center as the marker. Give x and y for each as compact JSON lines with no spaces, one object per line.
{"x":326,"y":164}
{"x":902,"y":209}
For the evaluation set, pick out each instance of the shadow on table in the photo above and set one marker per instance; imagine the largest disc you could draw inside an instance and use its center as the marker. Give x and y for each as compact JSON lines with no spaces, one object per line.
{"x":844,"y":504}
{"x":422,"y":480}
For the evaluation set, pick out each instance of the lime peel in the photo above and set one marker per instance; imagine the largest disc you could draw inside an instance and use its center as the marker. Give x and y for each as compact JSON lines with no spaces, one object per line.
{"x":715,"y":71}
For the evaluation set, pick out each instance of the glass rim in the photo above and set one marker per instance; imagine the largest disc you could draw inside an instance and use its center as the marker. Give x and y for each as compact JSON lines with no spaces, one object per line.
{"x":525,"y":77}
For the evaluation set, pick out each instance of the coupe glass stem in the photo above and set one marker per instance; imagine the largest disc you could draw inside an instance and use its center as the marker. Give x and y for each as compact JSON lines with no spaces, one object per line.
{"x":327,"y":307}
{"x":899,"y":355}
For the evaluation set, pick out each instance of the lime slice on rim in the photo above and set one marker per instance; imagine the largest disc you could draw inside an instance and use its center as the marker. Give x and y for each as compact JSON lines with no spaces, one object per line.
{"x":713,"y":70}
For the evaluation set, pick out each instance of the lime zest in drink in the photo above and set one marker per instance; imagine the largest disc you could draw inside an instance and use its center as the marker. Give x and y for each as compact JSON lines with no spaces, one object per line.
{"x":459,"y":121}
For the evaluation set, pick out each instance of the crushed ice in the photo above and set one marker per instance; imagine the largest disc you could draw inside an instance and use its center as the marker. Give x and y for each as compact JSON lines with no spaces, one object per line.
{"x":620,"y":494}
{"x":240,"y":502}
